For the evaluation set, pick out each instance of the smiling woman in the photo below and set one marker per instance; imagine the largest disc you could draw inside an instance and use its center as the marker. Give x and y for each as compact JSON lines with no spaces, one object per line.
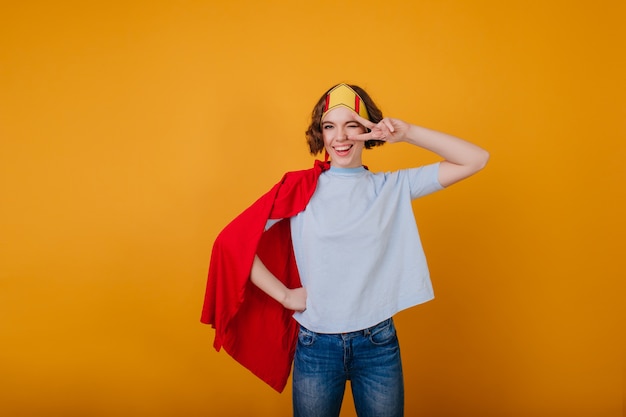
{"x":358,"y":261}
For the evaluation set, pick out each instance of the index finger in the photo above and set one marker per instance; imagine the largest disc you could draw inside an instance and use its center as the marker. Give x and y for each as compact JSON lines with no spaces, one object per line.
{"x":367,"y":123}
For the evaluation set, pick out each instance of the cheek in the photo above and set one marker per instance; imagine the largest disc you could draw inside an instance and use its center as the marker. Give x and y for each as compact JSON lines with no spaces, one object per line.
{"x":326,"y":137}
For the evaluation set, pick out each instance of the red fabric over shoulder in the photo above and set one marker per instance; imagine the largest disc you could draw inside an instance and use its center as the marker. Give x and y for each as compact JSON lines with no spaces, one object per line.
{"x":253,"y":328}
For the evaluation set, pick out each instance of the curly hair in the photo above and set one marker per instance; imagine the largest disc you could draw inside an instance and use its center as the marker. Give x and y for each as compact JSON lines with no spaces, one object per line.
{"x":313,"y":134}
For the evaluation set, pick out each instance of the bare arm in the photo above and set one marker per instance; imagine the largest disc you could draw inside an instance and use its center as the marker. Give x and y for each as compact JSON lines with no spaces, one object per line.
{"x":292,"y":299}
{"x":461,"y":158}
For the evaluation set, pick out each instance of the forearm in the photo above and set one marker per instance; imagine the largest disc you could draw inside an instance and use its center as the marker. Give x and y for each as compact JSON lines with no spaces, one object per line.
{"x":267,"y":282}
{"x":451,"y":148}
{"x":292,"y":299}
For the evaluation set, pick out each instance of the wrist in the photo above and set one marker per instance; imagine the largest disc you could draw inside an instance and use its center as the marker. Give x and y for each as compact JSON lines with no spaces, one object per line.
{"x":284,"y":300}
{"x":412,"y":134}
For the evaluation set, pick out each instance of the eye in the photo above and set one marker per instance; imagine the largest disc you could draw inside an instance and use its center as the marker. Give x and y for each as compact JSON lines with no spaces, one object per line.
{"x":327,"y":126}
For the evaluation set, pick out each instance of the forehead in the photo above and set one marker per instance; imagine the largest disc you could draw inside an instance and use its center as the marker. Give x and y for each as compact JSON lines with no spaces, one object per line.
{"x":339,"y":114}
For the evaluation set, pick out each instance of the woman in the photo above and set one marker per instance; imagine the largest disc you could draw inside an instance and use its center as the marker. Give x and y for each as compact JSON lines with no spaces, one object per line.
{"x":359,"y":255}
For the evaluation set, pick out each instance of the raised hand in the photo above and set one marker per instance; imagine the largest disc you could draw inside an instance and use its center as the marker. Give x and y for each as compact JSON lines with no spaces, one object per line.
{"x":388,"y":130}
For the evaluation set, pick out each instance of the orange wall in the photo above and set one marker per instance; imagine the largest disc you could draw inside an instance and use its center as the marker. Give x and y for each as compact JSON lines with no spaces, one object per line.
{"x":132,"y":132}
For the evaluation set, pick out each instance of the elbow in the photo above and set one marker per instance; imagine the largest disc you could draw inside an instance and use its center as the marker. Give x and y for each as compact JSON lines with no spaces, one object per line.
{"x":450,"y":173}
{"x":482,"y":159}
{"x":478,"y":162}
{"x":255,"y":270}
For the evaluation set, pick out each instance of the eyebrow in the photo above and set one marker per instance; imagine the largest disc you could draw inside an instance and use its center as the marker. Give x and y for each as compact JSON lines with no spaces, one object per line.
{"x":334,"y":123}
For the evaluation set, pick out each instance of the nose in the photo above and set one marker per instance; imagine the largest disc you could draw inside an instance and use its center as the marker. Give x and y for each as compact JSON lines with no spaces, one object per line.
{"x":341,"y":134}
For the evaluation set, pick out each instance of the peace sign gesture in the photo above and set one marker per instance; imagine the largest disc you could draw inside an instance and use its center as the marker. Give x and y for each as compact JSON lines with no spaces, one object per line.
{"x":388,"y":130}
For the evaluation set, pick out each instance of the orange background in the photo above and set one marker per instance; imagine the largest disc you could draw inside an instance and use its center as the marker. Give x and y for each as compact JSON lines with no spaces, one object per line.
{"x":132,"y":132}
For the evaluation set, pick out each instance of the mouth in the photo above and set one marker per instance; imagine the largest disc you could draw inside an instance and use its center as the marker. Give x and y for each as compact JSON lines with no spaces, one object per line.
{"x":342,"y":150}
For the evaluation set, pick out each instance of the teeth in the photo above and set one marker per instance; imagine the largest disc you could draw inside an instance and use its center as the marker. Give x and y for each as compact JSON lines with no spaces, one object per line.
{"x":342,"y":148}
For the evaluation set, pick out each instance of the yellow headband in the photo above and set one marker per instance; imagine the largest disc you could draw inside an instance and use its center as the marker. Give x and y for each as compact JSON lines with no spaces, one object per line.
{"x":343,"y":95}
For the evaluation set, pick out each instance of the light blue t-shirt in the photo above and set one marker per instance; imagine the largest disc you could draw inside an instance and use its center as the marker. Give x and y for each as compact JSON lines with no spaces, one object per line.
{"x":358,"y":250}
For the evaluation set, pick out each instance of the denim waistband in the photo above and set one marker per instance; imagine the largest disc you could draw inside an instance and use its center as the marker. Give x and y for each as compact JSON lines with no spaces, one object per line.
{"x":356,"y":333}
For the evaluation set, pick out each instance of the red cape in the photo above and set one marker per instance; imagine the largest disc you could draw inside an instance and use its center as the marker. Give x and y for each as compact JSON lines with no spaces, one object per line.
{"x":254,"y":329}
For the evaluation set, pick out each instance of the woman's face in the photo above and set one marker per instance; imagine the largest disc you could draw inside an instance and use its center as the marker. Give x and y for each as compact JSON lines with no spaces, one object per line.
{"x":337,"y":125}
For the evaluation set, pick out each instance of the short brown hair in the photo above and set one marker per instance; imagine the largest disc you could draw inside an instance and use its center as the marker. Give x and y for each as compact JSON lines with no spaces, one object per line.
{"x":314,"y":132}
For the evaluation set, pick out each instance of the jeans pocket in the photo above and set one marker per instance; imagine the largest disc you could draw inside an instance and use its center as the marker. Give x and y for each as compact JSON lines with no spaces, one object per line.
{"x":384,"y":334}
{"x":306,"y":337}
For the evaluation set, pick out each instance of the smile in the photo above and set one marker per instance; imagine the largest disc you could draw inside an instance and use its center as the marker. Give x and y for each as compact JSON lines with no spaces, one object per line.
{"x":342,"y":149}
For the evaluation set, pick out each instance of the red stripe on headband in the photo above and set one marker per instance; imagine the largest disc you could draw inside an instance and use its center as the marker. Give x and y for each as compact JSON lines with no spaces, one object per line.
{"x":327,"y":101}
{"x":357,"y":104}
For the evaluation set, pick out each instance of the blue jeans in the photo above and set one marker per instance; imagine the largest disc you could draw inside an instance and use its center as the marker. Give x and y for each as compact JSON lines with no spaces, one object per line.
{"x":369,"y":358}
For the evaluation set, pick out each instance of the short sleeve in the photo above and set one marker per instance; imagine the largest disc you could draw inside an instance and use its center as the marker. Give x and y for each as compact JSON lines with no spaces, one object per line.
{"x":423,"y":180}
